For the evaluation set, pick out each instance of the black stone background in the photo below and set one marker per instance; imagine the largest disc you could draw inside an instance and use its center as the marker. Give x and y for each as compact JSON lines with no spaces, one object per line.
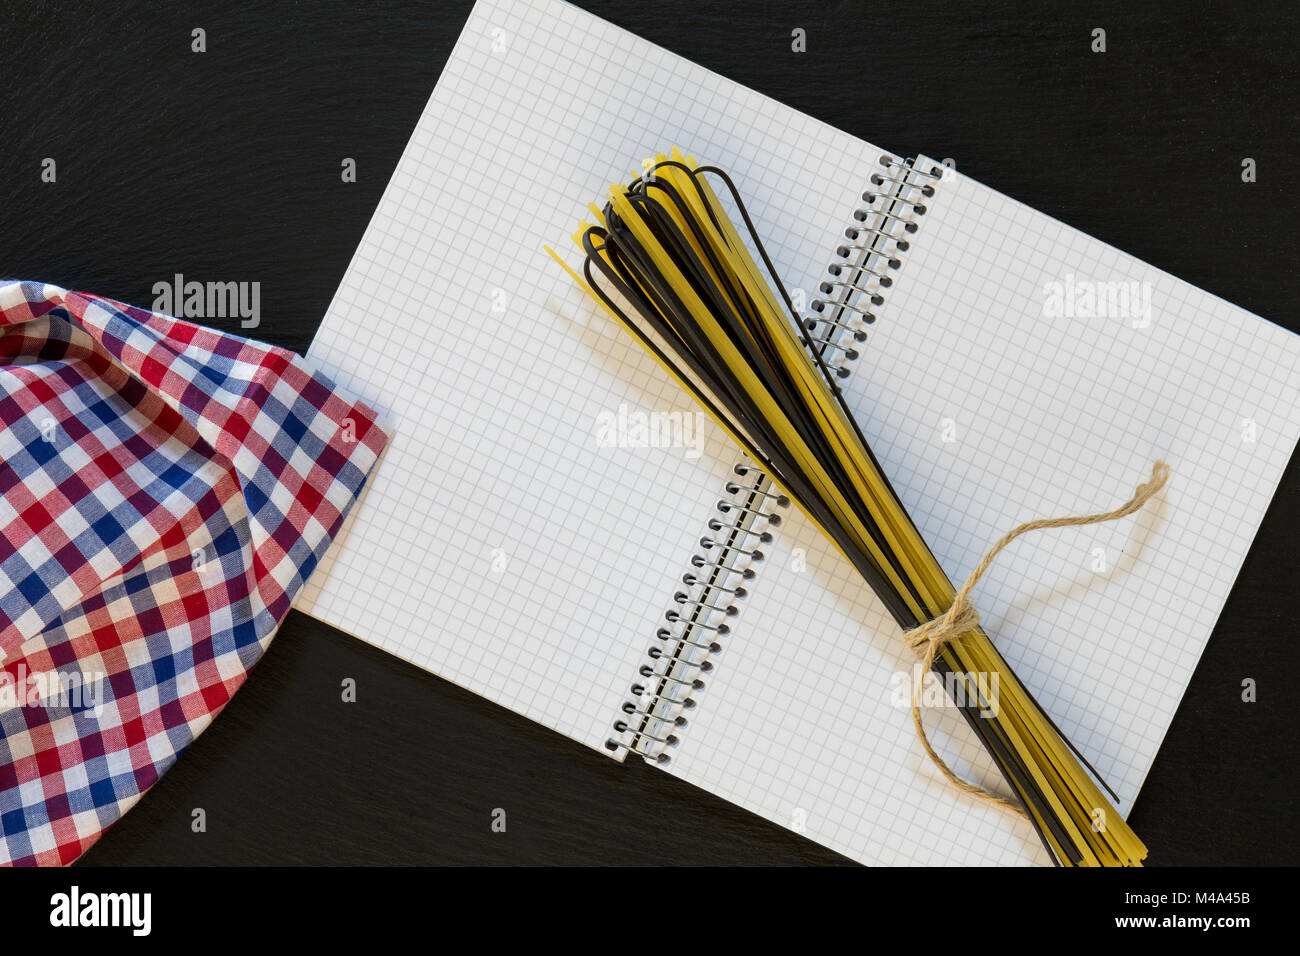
{"x":226,"y":165}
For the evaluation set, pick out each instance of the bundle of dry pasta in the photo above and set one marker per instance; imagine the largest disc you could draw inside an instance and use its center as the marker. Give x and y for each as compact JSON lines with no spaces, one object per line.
{"x":666,"y":261}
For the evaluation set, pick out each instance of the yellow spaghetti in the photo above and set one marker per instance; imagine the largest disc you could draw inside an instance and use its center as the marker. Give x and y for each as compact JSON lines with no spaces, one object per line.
{"x":663,"y":257}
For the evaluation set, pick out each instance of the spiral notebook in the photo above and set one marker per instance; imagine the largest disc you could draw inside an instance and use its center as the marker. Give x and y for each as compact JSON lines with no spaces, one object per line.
{"x":554,"y":527}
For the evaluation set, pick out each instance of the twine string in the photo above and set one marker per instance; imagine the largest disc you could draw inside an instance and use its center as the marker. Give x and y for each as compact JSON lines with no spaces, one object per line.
{"x":961,"y":618}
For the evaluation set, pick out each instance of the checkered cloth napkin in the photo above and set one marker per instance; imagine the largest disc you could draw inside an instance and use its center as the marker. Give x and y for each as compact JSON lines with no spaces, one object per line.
{"x":165,"y":491}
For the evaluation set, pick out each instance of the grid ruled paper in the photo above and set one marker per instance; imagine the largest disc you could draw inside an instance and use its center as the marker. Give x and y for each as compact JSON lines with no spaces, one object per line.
{"x":988,"y":407}
{"x":495,"y":454}
{"x":502,"y":544}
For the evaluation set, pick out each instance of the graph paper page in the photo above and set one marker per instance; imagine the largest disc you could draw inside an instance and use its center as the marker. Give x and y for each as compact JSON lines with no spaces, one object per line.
{"x":503,"y":543}
{"x":1018,"y":369}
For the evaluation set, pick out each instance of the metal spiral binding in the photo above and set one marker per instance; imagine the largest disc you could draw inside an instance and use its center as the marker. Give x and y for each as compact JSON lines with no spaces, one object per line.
{"x":720,"y":571}
{"x":876,"y":244}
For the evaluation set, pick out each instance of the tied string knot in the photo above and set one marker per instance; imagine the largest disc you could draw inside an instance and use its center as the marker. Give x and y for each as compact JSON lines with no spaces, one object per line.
{"x":928,"y":639}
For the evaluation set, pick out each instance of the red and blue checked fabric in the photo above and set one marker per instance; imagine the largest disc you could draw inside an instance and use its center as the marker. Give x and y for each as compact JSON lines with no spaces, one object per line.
{"x":165,"y":491}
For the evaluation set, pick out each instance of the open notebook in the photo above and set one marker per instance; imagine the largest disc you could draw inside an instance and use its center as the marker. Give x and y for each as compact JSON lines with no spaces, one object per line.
{"x":548,"y":485}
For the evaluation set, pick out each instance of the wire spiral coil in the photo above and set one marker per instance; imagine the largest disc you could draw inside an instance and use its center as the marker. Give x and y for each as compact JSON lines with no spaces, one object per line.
{"x":718,"y":579}
{"x":877,"y":241}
